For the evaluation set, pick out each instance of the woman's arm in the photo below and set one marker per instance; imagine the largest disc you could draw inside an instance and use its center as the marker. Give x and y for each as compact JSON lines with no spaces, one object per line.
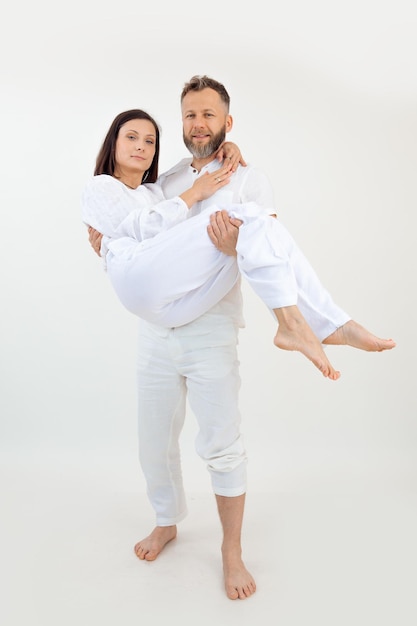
{"x":146,"y":222}
{"x":110,"y":208}
{"x":206,"y":185}
{"x":230,"y":152}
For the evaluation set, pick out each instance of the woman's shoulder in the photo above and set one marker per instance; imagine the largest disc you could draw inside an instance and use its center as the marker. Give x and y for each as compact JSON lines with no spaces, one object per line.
{"x":102,"y":181}
{"x":153,"y":190}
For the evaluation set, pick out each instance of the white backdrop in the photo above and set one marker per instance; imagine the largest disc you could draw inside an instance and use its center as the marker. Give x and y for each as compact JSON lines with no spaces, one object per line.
{"x":324,"y":97}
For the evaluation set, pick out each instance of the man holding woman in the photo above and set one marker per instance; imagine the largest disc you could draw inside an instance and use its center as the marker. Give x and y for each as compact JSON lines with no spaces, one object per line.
{"x":199,"y":358}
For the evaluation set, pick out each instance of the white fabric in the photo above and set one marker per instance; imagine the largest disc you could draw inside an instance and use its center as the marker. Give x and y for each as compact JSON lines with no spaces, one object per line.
{"x":177,"y":276}
{"x":117,"y":211}
{"x":213,"y":390}
{"x":174,"y":274}
{"x":248,"y":184}
{"x":173,"y":278}
{"x":197,"y":361}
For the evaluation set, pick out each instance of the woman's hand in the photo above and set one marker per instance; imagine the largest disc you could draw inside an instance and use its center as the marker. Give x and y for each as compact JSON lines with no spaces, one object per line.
{"x":229,"y":151}
{"x":206,"y":185}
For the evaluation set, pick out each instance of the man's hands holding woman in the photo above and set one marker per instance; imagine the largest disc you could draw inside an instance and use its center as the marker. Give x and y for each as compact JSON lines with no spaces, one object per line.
{"x":223,"y":232}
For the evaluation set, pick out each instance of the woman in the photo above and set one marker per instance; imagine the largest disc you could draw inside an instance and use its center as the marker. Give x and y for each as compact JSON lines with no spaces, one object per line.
{"x":164,"y":268}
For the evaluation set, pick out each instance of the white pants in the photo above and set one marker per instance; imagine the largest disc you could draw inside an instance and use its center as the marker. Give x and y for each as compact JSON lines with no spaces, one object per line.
{"x":178,"y":275}
{"x":198,"y":360}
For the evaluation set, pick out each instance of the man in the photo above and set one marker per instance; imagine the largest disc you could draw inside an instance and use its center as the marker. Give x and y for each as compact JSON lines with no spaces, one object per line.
{"x":200,"y":358}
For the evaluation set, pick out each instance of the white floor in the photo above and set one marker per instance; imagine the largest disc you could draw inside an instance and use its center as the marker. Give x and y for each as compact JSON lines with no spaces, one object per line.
{"x":327,"y":559}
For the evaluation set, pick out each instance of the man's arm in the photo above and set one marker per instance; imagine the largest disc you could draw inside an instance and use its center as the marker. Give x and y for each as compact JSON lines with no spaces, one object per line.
{"x":223,"y":231}
{"x":94,"y":237}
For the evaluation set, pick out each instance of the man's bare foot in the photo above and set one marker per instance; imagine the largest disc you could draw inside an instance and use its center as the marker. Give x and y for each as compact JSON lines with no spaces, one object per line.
{"x":295,"y":334}
{"x":149,"y":548}
{"x":238,"y":583}
{"x":355,"y":335}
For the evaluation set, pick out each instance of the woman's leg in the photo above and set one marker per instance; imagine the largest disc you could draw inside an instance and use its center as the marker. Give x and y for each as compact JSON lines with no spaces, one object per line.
{"x":267,"y":254}
{"x":178,"y":275}
{"x":315,"y":309}
{"x":174,"y":277}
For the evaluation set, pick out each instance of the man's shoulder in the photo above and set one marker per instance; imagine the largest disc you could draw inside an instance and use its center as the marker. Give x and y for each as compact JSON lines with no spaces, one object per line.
{"x":250,"y":170}
{"x":249,"y":167}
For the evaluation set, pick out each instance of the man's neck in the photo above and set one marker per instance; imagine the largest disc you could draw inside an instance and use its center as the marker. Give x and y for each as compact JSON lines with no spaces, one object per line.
{"x":198,"y":164}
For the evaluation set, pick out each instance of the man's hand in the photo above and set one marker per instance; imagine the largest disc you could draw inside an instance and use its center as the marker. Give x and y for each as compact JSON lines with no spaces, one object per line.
{"x":223,"y":232}
{"x":94,"y":237}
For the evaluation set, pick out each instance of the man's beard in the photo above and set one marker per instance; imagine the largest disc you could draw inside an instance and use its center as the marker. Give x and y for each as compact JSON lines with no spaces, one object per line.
{"x":201,"y":151}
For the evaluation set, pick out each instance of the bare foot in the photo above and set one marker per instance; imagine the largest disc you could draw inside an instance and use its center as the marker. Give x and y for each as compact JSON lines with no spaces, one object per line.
{"x":149,"y":548}
{"x":355,"y":335}
{"x":238,"y":583}
{"x":295,"y":334}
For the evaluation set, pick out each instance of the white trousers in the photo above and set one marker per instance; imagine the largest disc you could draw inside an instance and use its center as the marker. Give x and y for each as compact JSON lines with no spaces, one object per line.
{"x":281,"y":275}
{"x":178,"y":275}
{"x":198,"y":360}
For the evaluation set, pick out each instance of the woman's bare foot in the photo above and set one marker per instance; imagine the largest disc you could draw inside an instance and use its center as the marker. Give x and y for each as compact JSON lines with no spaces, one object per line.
{"x":355,"y":335}
{"x":238,"y":582}
{"x":149,"y":548}
{"x":295,"y":334}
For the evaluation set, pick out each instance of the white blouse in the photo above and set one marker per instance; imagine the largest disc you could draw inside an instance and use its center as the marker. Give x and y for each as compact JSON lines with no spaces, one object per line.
{"x":115,"y":210}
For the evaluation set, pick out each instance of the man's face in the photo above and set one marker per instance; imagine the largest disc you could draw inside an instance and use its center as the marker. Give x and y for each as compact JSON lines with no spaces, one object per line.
{"x":205,"y":122}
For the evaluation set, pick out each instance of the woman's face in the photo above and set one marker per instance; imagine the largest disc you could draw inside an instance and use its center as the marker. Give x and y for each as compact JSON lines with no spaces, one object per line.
{"x":135,"y":146}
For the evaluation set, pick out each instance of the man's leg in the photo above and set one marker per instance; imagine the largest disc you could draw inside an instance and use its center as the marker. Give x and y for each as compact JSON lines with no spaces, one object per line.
{"x":161,"y":410}
{"x":151,"y":546}
{"x":213,"y":382}
{"x":238,"y":581}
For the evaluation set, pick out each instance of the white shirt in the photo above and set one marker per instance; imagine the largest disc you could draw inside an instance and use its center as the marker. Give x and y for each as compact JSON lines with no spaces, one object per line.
{"x":247,"y":184}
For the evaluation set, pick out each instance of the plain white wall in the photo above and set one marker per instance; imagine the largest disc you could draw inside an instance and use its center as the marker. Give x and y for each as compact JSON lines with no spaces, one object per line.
{"x":324,"y":97}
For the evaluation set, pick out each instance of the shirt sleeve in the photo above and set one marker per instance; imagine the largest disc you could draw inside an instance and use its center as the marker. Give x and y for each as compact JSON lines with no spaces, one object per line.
{"x":104,"y":204}
{"x":257,"y":188}
{"x":149,"y":221}
{"x":117,"y":211}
